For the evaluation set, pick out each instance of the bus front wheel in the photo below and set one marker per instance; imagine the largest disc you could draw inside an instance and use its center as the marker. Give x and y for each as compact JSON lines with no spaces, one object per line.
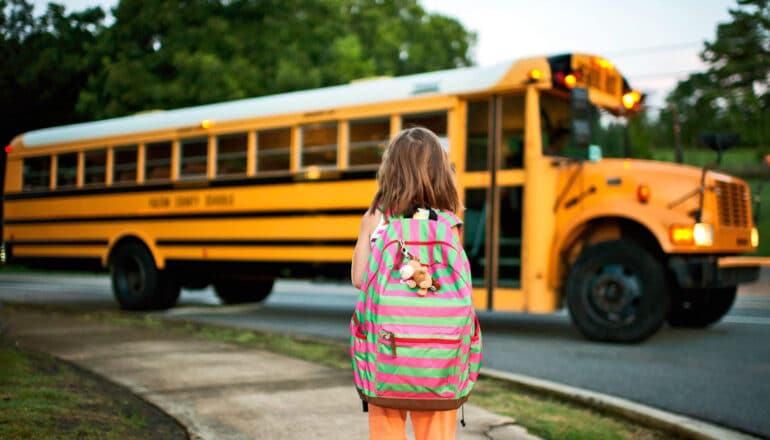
{"x":137,"y":284}
{"x":243,"y":291}
{"x":700,"y":308}
{"x":616,"y":292}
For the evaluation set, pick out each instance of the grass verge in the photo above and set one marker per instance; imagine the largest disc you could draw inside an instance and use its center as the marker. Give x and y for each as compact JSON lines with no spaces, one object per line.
{"x":542,"y":415}
{"x":42,"y":397}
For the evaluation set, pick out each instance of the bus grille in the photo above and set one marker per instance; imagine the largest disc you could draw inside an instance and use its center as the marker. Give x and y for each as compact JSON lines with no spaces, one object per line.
{"x":732,"y":204}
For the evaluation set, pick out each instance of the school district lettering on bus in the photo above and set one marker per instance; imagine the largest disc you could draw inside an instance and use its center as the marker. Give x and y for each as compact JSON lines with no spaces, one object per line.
{"x":238,"y":193}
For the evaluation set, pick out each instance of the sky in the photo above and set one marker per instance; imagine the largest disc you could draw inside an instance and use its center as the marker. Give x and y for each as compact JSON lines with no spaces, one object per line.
{"x":654,"y":43}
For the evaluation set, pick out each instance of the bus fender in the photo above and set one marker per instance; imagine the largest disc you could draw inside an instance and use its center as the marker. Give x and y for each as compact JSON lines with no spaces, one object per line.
{"x":606,"y":222}
{"x":128,"y":236}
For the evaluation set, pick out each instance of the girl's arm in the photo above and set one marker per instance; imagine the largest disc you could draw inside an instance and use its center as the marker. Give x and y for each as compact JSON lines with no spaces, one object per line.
{"x":363,"y":247}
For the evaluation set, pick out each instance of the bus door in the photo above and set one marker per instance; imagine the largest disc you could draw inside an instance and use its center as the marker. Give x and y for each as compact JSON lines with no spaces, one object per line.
{"x":493,"y":186}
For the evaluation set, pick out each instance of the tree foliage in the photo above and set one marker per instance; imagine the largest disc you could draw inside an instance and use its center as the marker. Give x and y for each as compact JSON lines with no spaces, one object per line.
{"x":47,"y":61}
{"x":733,"y":94}
{"x":161,"y":54}
{"x":166,"y":54}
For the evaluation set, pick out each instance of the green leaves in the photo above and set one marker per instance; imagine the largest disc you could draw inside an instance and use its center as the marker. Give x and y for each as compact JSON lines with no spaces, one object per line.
{"x":733,"y":94}
{"x":175,"y":53}
{"x":47,"y":61}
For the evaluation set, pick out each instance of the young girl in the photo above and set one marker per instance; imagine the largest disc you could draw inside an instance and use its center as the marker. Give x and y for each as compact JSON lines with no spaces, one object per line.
{"x":415,"y":173}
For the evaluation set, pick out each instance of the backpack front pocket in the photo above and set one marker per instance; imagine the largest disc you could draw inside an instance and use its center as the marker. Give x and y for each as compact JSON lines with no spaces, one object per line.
{"x":417,"y":367}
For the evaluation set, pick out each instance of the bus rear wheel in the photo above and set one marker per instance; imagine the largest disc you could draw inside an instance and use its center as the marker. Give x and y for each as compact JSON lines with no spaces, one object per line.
{"x":616,"y":292}
{"x":243,"y":291}
{"x":137,"y":284}
{"x":700,"y":308}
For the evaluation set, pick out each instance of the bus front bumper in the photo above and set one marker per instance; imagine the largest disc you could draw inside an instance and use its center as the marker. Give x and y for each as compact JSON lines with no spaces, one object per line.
{"x":694,"y":271}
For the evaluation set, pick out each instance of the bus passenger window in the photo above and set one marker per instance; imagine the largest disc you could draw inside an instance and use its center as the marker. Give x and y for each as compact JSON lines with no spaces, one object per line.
{"x":95,"y":167}
{"x":36,"y":173}
{"x":512,"y":136}
{"x":232,"y":152}
{"x":477,"y":136}
{"x":194,"y":155}
{"x":66,"y":170}
{"x":319,"y":144}
{"x":435,"y":122}
{"x":124,"y":164}
{"x":368,"y":139}
{"x":157,"y":162}
{"x":274,"y":150}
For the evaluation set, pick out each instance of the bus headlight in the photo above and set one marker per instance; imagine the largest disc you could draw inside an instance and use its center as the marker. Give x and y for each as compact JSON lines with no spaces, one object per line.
{"x":754,"y":237}
{"x":699,"y":234}
{"x":703,"y":234}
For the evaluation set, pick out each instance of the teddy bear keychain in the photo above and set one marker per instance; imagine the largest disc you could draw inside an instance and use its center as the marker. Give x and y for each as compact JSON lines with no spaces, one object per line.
{"x":414,"y":274}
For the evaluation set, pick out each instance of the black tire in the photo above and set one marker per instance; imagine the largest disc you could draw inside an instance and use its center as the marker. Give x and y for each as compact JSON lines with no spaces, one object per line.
{"x":700,"y":308}
{"x":243,"y":291}
{"x":137,"y":284}
{"x":616,"y":292}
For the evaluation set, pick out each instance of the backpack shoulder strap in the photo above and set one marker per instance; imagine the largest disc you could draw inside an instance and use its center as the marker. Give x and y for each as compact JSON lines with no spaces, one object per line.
{"x":449,"y":218}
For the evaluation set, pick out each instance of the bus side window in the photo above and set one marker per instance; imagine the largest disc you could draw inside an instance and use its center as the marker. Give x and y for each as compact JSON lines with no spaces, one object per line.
{"x":194,"y":158}
{"x":36,"y":173}
{"x":477,"y":137}
{"x":66,"y":170}
{"x":232,"y":151}
{"x":367,"y":141}
{"x":274,"y":150}
{"x":157,"y":164}
{"x":95,"y":166}
{"x":435,"y":122}
{"x":512,"y":134}
{"x":319,"y":144}
{"x":124,"y":164}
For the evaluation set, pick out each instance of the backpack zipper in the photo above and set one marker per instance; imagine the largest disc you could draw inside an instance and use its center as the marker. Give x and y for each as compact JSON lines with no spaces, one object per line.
{"x":393,"y":340}
{"x":425,"y":243}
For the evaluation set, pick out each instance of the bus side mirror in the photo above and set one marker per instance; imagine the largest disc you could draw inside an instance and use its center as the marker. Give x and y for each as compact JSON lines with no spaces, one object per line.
{"x":720,"y":142}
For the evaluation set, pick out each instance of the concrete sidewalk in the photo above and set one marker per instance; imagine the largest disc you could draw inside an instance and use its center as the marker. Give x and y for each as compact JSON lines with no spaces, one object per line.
{"x":223,"y":391}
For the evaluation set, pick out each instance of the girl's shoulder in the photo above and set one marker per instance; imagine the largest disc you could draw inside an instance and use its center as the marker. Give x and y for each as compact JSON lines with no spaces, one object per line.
{"x":377,"y":221}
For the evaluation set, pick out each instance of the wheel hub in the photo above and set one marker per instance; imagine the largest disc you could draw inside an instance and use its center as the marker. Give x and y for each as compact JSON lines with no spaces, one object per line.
{"x":614,"y":294}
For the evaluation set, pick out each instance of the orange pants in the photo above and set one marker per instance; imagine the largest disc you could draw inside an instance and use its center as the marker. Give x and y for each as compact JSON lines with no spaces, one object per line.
{"x":390,"y":424}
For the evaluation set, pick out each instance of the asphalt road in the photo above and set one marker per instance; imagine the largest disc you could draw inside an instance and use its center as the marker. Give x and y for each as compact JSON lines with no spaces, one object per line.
{"x":720,"y":374}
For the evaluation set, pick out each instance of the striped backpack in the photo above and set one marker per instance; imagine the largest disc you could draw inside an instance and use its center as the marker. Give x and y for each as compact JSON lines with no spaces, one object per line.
{"x":410,"y":349}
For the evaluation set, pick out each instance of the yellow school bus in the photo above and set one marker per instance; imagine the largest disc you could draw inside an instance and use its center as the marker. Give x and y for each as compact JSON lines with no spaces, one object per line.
{"x":237,"y":194}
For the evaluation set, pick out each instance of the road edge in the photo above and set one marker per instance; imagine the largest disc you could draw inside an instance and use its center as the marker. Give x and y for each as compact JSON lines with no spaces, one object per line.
{"x":670,"y":422}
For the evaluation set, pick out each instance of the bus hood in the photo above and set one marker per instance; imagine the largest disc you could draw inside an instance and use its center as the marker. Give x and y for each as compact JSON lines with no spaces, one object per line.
{"x":672,"y":187}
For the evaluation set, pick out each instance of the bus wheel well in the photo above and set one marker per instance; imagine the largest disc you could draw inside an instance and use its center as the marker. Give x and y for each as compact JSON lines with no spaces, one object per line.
{"x":606,"y":229}
{"x":641,"y":235}
{"x":622,"y":228}
{"x":124,"y":241}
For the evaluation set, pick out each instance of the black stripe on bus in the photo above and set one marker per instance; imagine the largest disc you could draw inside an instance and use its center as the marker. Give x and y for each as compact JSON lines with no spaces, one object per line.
{"x":57,"y":242}
{"x":256,"y":242}
{"x":189,"y":216}
{"x":190,"y":185}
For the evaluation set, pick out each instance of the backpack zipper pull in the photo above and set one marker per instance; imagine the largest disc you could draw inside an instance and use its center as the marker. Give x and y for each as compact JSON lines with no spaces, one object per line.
{"x":390,"y":337}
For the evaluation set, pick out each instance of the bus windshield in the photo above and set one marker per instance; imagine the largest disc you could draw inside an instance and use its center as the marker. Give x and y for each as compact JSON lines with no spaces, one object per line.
{"x":608,"y":131}
{"x":556,"y":127}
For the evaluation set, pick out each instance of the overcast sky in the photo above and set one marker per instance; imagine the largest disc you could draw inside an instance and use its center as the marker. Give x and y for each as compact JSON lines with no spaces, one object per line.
{"x":654,"y":43}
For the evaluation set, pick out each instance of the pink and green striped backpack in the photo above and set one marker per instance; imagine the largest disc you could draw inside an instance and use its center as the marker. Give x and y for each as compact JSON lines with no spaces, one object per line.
{"x":411,"y":349}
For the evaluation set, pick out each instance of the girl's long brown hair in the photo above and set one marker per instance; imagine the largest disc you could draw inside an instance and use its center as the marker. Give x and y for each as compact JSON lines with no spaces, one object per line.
{"x":415,"y":173}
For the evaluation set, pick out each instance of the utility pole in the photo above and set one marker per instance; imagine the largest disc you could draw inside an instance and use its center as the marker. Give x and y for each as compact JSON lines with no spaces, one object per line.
{"x":677,"y":134}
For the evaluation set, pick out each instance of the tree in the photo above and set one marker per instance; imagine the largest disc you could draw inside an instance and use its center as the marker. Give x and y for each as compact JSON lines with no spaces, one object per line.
{"x":734,"y":92}
{"x":174,"y":53}
{"x":47,"y":60}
